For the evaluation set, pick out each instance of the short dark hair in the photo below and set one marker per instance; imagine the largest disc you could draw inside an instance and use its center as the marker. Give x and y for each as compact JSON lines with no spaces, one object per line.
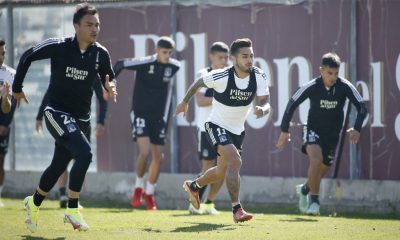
{"x":166,"y":42}
{"x":2,"y":42}
{"x":330,"y":59}
{"x":240,"y":43}
{"x":219,"y":47}
{"x":83,"y":9}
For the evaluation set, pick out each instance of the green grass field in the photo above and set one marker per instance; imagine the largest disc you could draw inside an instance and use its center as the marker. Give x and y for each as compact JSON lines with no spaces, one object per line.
{"x":119,"y":221}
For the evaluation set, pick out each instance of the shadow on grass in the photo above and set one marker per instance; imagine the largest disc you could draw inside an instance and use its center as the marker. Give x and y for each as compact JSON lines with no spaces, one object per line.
{"x":202,"y":227}
{"x":299,"y":219}
{"x":27,"y":237}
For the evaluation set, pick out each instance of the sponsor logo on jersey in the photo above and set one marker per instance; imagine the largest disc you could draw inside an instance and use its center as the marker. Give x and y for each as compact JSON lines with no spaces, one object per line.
{"x":237,"y":94}
{"x":76,"y":74}
{"x":328,"y":104}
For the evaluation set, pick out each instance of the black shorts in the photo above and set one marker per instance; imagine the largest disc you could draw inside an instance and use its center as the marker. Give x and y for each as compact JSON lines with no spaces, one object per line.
{"x":143,"y":127}
{"x":205,"y":149}
{"x":4,"y":142}
{"x":326,"y":140}
{"x":217,"y":135}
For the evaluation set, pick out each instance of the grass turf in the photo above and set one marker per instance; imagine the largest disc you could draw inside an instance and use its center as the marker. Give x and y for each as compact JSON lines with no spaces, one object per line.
{"x":119,"y":221}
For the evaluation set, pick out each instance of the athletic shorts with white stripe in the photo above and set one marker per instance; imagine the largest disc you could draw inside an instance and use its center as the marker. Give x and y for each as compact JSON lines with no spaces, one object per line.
{"x":217,"y":135}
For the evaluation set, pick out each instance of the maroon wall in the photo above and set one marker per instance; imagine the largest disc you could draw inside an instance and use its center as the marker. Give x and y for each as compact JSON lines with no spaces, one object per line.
{"x":280,"y":33}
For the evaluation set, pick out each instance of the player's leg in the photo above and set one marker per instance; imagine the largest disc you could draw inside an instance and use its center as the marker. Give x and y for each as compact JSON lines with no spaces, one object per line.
{"x":208,"y":206}
{"x":62,"y":189}
{"x":314,"y":153}
{"x":3,"y":151}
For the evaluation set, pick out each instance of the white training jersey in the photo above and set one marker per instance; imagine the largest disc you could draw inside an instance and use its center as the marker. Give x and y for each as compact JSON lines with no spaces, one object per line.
{"x":232,"y":118}
{"x":202,"y":112}
{"x":6,"y":75}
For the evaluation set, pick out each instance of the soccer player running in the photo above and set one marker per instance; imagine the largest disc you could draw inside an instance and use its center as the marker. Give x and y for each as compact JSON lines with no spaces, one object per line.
{"x":218,"y":57}
{"x":148,"y":116}
{"x":235,"y":88}
{"x":7,"y":110}
{"x":327,"y":94}
{"x":75,"y":64}
{"x":101,"y":97}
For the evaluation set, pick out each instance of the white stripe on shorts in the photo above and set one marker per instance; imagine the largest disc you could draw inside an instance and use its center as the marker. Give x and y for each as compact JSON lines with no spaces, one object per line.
{"x":54,"y":123}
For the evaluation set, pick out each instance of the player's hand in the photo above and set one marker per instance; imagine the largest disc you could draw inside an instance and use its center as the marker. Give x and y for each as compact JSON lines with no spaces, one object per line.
{"x":5,"y":90}
{"x":261,"y":111}
{"x":100,"y":130}
{"x":182,"y":107}
{"x":39,"y":127}
{"x":111,"y":88}
{"x":19,"y":96}
{"x":4,"y":130}
{"x":354,"y":135}
{"x":285,"y":136}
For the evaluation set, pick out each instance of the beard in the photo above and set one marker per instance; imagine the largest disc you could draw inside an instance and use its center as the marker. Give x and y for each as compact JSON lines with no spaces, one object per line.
{"x":245,"y":68}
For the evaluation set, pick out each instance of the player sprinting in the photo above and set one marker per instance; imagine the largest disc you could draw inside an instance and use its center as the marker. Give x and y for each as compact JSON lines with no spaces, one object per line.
{"x":235,"y":88}
{"x":218,"y":57}
{"x":153,"y":76}
{"x":327,"y":94}
{"x":75,"y":63}
{"x":7,"y":110}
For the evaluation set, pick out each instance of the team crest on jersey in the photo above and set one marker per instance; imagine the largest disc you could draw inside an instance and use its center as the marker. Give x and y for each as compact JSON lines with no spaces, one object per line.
{"x":222,"y":138}
{"x":167,"y":74}
{"x":151,"y":70}
{"x":71,"y":127}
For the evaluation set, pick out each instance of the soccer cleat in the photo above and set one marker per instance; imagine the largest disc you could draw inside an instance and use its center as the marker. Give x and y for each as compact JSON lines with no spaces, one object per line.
{"x":303,"y":199}
{"x":63,"y":201}
{"x":313,"y":209}
{"x":73,"y":216}
{"x":151,"y":203}
{"x":241,"y":216}
{"x":193,"y":195}
{"x":32,"y":212}
{"x":136,"y":199}
{"x":209,"y":208}
{"x":195,"y":211}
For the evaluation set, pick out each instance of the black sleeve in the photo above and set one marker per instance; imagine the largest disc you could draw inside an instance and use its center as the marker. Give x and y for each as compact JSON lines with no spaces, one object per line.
{"x":9,"y":116}
{"x":298,"y":97}
{"x":43,"y":104}
{"x":357,"y":101}
{"x":105,"y":67}
{"x":127,"y":63}
{"x":98,"y":89}
{"x":43,"y":50}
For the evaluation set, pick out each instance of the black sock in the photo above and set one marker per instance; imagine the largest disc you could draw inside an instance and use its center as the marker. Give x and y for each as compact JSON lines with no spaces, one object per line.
{"x":194,"y":186}
{"x":236,"y":208}
{"x":305,"y":189}
{"x":62,"y":191}
{"x":73,"y":202}
{"x":314,"y":198}
{"x":38,"y":198}
{"x":202,"y":190}
{"x":208,"y":201}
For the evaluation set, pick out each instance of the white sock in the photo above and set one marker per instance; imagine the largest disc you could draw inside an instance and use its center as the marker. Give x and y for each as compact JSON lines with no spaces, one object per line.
{"x":139,"y":183}
{"x":150,"y":188}
{"x":235,"y":203}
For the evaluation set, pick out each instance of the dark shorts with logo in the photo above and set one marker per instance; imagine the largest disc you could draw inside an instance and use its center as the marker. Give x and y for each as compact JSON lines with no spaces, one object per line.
{"x":205,"y":148}
{"x":217,"y":135}
{"x":327,"y":140}
{"x":143,"y":127}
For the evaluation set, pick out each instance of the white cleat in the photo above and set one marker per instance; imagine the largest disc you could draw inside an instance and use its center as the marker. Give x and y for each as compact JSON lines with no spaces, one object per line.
{"x":313,"y":209}
{"x":303,"y":199}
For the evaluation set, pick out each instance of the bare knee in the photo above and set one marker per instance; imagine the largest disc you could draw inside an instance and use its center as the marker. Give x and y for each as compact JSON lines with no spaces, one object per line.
{"x":235,"y":162}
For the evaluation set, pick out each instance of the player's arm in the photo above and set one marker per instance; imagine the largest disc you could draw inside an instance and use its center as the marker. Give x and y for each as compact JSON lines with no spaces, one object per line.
{"x":43,"y":50}
{"x":5,"y":99}
{"x":127,"y":63}
{"x":202,"y":99}
{"x":98,"y":89}
{"x":298,"y":97}
{"x":262,"y":106}
{"x":357,"y":101}
{"x":107,"y":75}
{"x":183,"y":106}
{"x":40,"y":113}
